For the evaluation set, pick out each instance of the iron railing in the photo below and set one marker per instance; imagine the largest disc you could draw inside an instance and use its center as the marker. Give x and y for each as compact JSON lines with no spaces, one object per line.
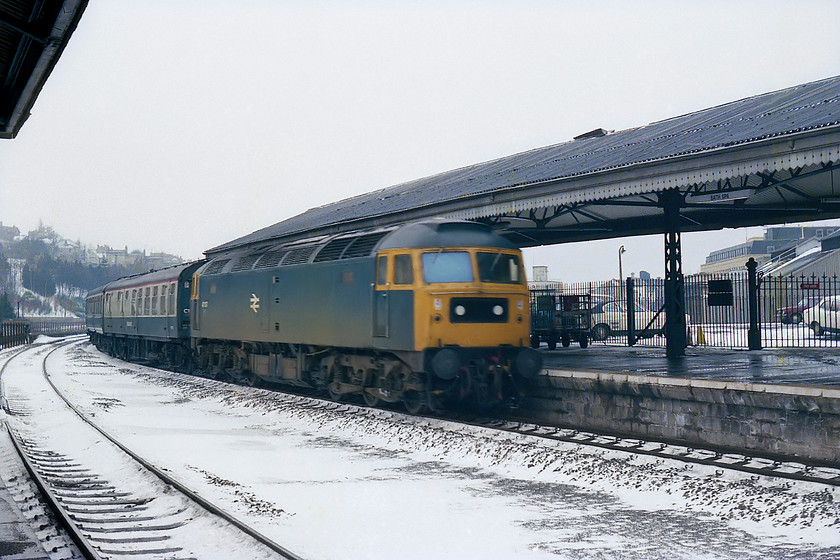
{"x":717,"y":310}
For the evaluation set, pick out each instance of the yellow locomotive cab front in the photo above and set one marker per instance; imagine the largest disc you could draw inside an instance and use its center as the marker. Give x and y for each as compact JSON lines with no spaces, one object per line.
{"x":467,"y":296}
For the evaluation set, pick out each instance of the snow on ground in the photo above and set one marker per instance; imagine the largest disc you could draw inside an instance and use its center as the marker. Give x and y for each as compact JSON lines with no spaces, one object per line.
{"x":345,"y":482}
{"x":40,"y":417}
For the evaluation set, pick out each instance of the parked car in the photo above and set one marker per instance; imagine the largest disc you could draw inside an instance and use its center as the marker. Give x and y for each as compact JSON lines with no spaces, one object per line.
{"x":609,"y":318}
{"x":793,"y":314}
{"x":824,"y":317}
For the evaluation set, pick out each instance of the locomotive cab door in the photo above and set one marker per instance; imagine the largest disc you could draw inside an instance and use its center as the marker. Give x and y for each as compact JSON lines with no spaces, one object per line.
{"x":381,"y":299}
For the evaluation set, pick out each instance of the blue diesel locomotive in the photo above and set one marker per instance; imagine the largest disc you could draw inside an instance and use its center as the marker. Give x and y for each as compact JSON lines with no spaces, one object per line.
{"x":423,"y":314}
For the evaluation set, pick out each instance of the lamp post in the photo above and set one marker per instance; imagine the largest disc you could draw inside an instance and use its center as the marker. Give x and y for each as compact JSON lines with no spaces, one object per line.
{"x":621,"y":250}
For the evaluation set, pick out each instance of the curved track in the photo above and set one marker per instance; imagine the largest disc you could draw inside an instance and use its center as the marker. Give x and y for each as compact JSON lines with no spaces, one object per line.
{"x":144,"y":520}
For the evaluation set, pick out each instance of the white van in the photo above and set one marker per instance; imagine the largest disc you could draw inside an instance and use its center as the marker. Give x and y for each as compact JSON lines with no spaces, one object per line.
{"x":823,"y":317}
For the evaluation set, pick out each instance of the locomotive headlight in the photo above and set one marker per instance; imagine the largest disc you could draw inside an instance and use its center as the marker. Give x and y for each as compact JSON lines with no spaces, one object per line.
{"x":498,"y":310}
{"x":460,"y":310}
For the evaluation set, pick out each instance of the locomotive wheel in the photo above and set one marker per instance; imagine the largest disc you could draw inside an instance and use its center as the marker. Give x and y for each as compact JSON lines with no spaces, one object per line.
{"x":370,"y":400}
{"x":335,"y":374}
{"x":414,"y":402}
{"x":250,"y":380}
{"x":218,"y":373}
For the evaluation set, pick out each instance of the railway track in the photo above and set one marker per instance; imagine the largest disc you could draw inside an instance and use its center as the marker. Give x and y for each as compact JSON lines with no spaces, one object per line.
{"x":724,"y":460}
{"x":118,"y":505}
{"x":720,"y":458}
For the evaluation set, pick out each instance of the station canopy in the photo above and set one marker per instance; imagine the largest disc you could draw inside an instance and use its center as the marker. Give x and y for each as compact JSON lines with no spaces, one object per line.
{"x":33,"y":34}
{"x":766,"y":159}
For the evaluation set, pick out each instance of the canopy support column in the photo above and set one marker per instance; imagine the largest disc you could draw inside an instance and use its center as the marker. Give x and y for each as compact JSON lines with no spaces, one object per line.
{"x":675,"y":327}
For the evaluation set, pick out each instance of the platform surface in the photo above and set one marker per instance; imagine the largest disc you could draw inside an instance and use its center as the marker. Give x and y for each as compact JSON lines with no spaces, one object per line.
{"x":793,"y":366}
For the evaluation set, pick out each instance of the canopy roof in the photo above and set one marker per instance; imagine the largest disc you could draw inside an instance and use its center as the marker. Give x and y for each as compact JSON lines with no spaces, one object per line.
{"x":765,"y":159}
{"x":33,"y":34}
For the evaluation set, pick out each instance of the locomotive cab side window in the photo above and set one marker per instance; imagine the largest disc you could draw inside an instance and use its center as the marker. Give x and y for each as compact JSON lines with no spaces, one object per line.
{"x":451,"y":266}
{"x":382,"y":270}
{"x":403,"y":270}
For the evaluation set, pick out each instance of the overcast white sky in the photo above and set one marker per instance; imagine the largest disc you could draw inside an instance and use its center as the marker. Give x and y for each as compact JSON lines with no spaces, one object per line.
{"x":177,"y":126}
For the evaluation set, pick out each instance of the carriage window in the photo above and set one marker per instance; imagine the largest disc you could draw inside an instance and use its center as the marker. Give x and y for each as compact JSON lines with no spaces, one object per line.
{"x":133,"y":302}
{"x":499,"y":268}
{"x":447,"y":267}
{"x":147,"y":301}
{"x":163,"y":299}
{"x":172,"y":298}
{"x":403,"y":271}
{"x":382,"y":270}
{"x":155,"y":300}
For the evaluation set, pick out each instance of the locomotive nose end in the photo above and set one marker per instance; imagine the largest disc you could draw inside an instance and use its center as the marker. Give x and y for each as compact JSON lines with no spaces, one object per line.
{"x":528,"y":363}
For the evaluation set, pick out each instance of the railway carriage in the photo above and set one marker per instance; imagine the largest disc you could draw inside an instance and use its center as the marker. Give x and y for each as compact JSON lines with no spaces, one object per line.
{"x":424,"y":314}
{"x":145,"y":316}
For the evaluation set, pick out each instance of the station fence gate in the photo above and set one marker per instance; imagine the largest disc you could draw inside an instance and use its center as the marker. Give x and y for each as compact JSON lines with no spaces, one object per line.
{"x":717,"y":310}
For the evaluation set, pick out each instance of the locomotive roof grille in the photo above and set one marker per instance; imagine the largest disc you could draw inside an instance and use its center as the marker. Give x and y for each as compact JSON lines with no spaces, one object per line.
{"x":350,"y":247}
{"x":271,"y":259}
{"x":216,"y":266}
{"x":333,"y":250}
{"x":246,"y":262}
{"x":363,"y":245}
{"x":299,"y":255}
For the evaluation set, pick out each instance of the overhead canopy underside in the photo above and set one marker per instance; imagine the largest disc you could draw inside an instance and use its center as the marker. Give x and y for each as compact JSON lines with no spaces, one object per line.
{"x":767,"y":159}
{"x":33,"y":34}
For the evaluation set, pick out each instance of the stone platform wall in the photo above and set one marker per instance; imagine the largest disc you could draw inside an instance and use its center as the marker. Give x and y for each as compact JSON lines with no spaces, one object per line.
{"x":774,"y":420}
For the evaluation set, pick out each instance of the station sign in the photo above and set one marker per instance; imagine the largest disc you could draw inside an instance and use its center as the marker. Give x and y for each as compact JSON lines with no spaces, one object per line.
{"x":721,"y":196}
{"x":809,"y":286}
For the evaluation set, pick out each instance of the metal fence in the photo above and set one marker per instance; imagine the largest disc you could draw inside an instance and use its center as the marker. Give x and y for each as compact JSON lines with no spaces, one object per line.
{"x":799,"y":311}
{"x":793,"y":311}
{"x":14,"y":332}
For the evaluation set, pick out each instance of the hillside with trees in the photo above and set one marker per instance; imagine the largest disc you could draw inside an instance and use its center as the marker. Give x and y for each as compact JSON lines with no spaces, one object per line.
{"x":43,"y":274}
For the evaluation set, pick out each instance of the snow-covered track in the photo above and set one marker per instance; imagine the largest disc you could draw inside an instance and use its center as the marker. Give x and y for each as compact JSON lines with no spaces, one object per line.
{"x":155,"y":516}
{"x":725,"y":460}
